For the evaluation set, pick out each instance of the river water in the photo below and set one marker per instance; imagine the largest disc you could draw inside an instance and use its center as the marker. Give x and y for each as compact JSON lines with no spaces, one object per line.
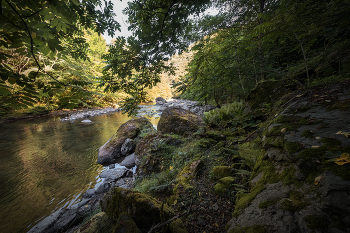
{"x":47,"y":164}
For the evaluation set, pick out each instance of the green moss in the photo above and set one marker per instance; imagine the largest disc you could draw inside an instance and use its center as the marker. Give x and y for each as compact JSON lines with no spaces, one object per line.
{"x":330,"y":142}
{"x":307,"y":133}
{"x":340,"y":105}
{"x":317,"y":222}
{"x":294,"y":202}
{"x":143,"y":209}
{"x":293,"y":147}
{"x":219,"y":172}
{"x":249,"y":229}
{"x":250,"y":152}
{"x":126,"y":224}
{"x":265,"y":204}
{"x":269,"y":176}
{"x":288,"y":177}
{"x":223,"y":185}
{"x":177,"y":226}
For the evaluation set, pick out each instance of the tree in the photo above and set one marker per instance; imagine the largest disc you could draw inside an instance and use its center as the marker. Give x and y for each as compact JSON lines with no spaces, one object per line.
{"x":51,"y":29}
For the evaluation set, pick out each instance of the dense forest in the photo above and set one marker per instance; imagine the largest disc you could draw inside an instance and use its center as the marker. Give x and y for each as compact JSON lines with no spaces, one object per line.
{"x":53,"y":56}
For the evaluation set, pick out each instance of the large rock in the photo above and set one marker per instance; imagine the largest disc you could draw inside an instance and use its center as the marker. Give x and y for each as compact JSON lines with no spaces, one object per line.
{"x":160,"y":101}
{"x":111,"y":150}
{"x":148,"y":152}
{"x":128,"y":147}
{"x":144,"y":210}
{"x":179,"y":121}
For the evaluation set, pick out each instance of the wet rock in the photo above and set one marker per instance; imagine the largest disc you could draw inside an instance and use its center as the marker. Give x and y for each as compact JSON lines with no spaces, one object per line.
{"x":46,"y":225}
{"x":129,"y":161}
{"x":103,"y":188}
{"x":68,"y":219}
{"x":88,"y":113}
{"x":128,"y":146}
{"x":86,"y":121}
{"x":111,"y":150}
{"x":112,"y":175}
{"x":179,"y":121}
{"x":89,"y":193}
{"x":160,"y":100}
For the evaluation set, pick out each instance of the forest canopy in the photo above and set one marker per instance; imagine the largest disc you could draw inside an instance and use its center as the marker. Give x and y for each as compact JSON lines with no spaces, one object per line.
{"x":247,"y":41}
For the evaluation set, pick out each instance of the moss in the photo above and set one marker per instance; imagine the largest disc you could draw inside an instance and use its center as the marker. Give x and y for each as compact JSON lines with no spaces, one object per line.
{"x":219,"y":172}
{"x":249,"y":229}
{"x":265,"y":204}
{"x":340,"y":106}
{"x":250,"y":152}
{"x":330,"y":142}
{"x":177,"y":226}
{"x":288,"y":177}
{"x":269,"y":176}
{"x":294,"y":203}
{"x":144,"y":210}
{"x":204,"y":143}
{"x":95,"y":223}
{"x":216,"y":135}
{"x":185,"y":176}
{"x":307,"y":133}
{"x":125,"y":224}
{"x":223,"y":185}
{"x":317,"y":222}
{"x":293,"y":147}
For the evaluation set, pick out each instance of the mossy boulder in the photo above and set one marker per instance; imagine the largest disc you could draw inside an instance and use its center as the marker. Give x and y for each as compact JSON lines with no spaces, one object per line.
{"x":179,"y":121}
{"x":219,"y":172}
{"x":95,"y":223}
{"x":148,"y":152}
{"x":125,"y":224}
{"x":144,"y":210}
{"x":223,"y":184}
{"x":177,"y":226}
{"x":111,"y":150}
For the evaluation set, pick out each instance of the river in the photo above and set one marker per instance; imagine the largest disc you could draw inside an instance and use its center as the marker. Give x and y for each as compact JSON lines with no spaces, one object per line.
{"x":47,"y":164}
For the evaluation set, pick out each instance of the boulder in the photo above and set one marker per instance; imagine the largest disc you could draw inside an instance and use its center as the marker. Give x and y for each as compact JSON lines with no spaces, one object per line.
{"x":112,"y":175}
{"x":147,"y":156}
{"x":129,"y":161}
{"x":111,"y":150}
{"x":160,"y":101}
{"x":179,"y":121}
{"x":144,"y":210}
{"x":128,"y":147}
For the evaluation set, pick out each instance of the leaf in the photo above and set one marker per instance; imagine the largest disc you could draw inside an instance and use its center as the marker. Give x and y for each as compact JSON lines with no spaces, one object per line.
{"x":346,"y":134}
{"x":317,"y":179}
{"x":344,"y":158}
{"x":33,"y":35}
{"x":4,"y":91}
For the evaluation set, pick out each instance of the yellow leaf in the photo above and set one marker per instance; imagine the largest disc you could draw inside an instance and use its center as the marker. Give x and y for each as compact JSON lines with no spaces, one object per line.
{"x":175,"y":202}
{"x":216,"y":225}
{"x":343,"y":159}
{"x":346,"y":134}
{"x":33,"y":35}
{"x":317,"y":179}
{"x":171,"y":167}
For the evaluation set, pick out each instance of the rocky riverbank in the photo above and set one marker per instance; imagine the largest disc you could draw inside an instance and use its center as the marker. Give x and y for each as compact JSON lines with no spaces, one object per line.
{"x":280,"y":165}
{"x":119,"y":172}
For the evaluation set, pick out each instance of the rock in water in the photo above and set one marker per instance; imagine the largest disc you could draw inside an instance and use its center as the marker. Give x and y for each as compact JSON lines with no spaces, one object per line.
{"x":111,"y":150}
{"x":179,"y":121}
{"x":160,"y":101}
{"x":128,"y":147}
{"x":86,"y":121}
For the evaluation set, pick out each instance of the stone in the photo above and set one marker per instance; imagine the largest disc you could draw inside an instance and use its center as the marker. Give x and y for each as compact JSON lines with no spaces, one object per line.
{"x":86,"y":121}
{"x":103,"y":188}
{"x":90,"y":226}
{"x":47,"y":223}
{"x":89,"y":193}
{"x":179,"y":121}
{"x":111,"y":150}
{"x":126,"y":224}
{"x":68,"y":219}
{"x":128,"y":161}
{"x":207,"y":108}
{"x":143,"y":209}
{"x":146,"y":156}
{"x":111,"y":175}
{"x":128,"y":146}
{"x":160,"y":101}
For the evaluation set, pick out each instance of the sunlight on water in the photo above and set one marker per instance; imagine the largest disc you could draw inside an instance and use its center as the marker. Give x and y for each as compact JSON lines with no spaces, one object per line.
{"x":46,"y":164}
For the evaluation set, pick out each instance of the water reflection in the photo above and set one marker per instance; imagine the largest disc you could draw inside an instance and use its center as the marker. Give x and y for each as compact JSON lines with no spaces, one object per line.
{"x":46,"y":164}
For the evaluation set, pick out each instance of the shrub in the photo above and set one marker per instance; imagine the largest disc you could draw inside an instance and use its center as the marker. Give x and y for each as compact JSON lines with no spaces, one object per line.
{"x":225,"y":113}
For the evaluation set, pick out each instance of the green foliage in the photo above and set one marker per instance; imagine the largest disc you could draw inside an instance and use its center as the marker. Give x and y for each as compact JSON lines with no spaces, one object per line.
{"x":44,"y":53}
{"x":225,"y":113}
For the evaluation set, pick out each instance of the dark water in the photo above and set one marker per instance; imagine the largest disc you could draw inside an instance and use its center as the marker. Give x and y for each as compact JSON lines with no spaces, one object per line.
{"x":46,"y":164}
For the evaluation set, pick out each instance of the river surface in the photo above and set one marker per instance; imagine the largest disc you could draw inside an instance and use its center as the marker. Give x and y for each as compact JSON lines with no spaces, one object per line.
{"x":47,"y":164}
